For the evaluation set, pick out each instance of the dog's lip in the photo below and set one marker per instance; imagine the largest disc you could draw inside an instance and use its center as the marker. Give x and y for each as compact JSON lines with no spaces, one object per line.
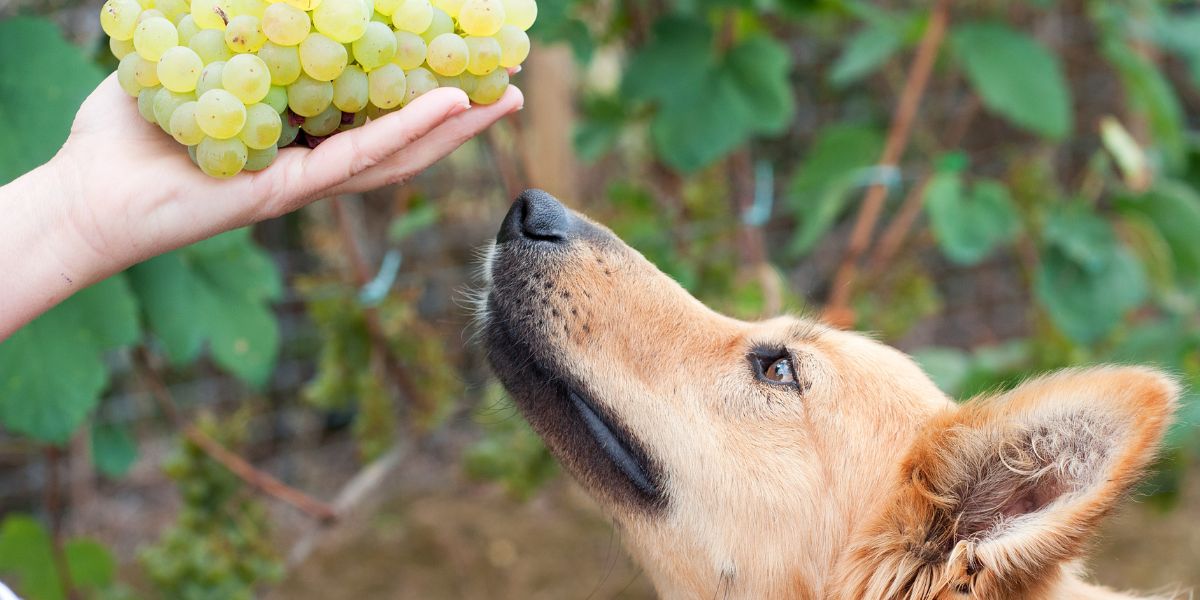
{"x":613,"y":444}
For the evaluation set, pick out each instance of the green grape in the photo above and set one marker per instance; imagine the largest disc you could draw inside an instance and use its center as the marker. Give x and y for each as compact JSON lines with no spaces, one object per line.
{"x":481,"y":17}
{"x":462,"y":81}
{"x":277,"y":98}
{"x":417,"y":82}
{"x":490,"y":87}
{"x":165,"y":103}
{"x":374,"y":112}
{"x":187,"y":28}
{"x":153,"y":37}
{"x":210,"y":45}
{"x":179,"y":69}
{"x":520,"y":13}
{"x":127,"y":74}
{"x":248,"y":8}
{"x":448,"y":55}
{"x":440,"y":23}
{"x":410,"y":50}
{"x":262,"y":128}
{"x":282,"y":61}
{"x":484,"y":54}
{"x":210,"y":77}
{"x":244,"y":34}
{"x":514,"y":46}
{"x":247,"y":77}
{"x":307,"y":97}
{"x":356,"y":120}
{"x":220,"y":114}
{"x":221,"y":158}
{"x":323,"y":59}
{"x":450,"y":7}
{"x":350,"y":93}
{"x":211,"y":14}
{"x":118,"y":18}
{"x":386,"y":86}
{"x":285,"y":24}
{"x":289,"y":132}
{"x":183,"y":126}
{"x":413,"y":15}
{"x":341,"y":20}
{"x":146,"y":103}
{"x":120,"y":48}
{"x":145,"y":72}
{"x":304,"y":4}
{"x":386,"y":7}
{"x":174,"y":10}
{"x":323,"y":124}
{"x":149,"y":13}
{"x":257,"y":160}
{"x":376,"y":47}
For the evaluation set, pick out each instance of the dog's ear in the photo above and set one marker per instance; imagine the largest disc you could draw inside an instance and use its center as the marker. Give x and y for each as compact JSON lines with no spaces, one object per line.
{"x":995,"y":497}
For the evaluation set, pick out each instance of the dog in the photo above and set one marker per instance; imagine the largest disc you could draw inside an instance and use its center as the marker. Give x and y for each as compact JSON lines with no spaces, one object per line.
{"x":785,"y":459}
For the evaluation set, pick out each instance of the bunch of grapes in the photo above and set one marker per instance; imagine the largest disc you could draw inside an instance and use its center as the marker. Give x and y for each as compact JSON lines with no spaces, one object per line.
{"x":235,"y":80}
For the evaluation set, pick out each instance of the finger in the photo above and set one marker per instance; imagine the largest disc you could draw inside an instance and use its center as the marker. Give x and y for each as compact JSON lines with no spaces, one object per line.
{"x":309,"y":174}
{"x":436,"y":145}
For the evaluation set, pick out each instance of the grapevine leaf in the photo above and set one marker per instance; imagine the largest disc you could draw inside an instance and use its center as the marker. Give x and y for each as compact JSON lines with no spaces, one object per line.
{"x":91,"y":565}
{"x":1151,"y":94}
{"x":968,"y":226}
{"x":868,"y":50}
{"x":555,"y":23}
{"x":39,"y":92}
{"x":218,"y":291}
{"x":822,"y":186}
{"x":759,"y":66}
{"x":27,"y":559}
{"x":675,"y":64}
{"x":682,"y":139}
{"x":113,"y":449}
{"x":1174,"y":209}
{"x":1016,"y":77}
{"x":51,"y":372}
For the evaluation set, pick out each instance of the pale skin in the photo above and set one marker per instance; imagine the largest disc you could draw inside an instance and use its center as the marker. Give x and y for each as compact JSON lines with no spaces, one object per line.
{"x":121,"y":191}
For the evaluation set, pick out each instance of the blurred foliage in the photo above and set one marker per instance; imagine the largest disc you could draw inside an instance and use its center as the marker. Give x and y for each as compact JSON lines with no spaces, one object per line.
{"x":30,"y":563}
{"x":509,"y":452}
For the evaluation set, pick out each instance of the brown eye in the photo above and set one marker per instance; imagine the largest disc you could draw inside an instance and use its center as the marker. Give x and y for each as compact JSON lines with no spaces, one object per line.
{"x":781,"y":371}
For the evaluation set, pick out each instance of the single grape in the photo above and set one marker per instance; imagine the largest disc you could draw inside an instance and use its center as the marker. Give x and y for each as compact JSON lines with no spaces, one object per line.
{"x":262,"y":128}
{"x":285,"y":24}
{"x":220,"y":114}
{"x":417,"y":82}
{"x":323,"y":124}
{"x":221,"y":158}
{"x":244,"y":34}
{"x":145,"y":72}
{"x":247,"y":77}
{"x":118,"y":18}
{"x":341,"y":20}
{"x":127,"y":74}
{"x":350,"y":90}
{"x":277,"y":98}
{"x":210,"y":45}
{"x":290,"y":131}
{"x":440,"y":23}
{"x":448,"y":55}
{"x":179,"y":69}
{"x":257,"y":160}
{"x":211,"y":14}
{"x":187,"y":28}
{"x":481,"y":17}
{"x":153,"y":36}
{"x":520,"y":13}
{"x":120,"y":48}
{"x":250,"y":8}
{"x":514,"y":46}
{"x":183,"y":125}
{"x":307,"y":97}
{"x":210,"y":77}
{"x":413,"y":15}
{"x":410,"y":50}
{"x":484,"y":54}
{"x":386,"y":86}
{"x":450,"y":7}
{"x":304,"y":4}
{"x":321,"y":57}
{"x":165,"y":103}
{"x":376,"y":47}
{"x":282,"y":61}
{"x":174,"y":10}
{"x":490,"y":87}
{"x":386,"y":7}
{"x":146,"y":103}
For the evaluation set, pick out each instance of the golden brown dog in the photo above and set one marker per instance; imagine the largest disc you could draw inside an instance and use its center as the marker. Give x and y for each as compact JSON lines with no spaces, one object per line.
{"x":784,"y":459}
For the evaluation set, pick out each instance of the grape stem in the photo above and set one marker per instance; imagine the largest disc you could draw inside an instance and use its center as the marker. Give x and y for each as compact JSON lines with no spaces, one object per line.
{"x":837,"y":311}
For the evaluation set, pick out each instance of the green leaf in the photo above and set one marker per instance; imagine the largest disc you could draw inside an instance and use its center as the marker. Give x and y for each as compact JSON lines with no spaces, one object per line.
{"x":600,"y":126}
{"x":1174,"y":209}
{"x":759,"y":67}
{"x":27,"y":561}
{"x":91,"y":565}
{"x":1150,"y":94}
{"x":113,"y":449}
{"x":51,"y":370}
{"x":674,"y":65}
{"x":1016,"y":77}
{"x":824,"y":182}
{"x":868,"y":50}
{"x":968,"y":226}
{"x":43,"y":80}
{"x":218,"y":291}
{"x":557,"y":23}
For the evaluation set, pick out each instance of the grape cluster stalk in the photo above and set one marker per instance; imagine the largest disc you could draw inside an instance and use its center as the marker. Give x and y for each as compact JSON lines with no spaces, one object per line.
{"x":235,"y":80}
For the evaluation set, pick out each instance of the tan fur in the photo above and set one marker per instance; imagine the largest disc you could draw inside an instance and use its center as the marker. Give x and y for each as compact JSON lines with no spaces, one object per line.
{"x":865,"y":481}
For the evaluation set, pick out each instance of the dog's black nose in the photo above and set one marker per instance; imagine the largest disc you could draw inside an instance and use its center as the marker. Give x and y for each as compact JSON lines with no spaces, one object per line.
{"x":536,"y":215}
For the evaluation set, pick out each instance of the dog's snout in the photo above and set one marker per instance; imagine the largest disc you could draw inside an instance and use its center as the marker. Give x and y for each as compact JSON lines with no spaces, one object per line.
{"x":536,"y":215}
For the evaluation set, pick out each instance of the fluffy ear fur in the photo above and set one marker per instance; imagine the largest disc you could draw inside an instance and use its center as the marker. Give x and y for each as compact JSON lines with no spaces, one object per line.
{"x":996,"y":497}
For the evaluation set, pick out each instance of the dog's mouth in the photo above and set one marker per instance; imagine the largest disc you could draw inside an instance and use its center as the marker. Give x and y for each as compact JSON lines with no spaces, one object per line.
{"x":615,"y":446}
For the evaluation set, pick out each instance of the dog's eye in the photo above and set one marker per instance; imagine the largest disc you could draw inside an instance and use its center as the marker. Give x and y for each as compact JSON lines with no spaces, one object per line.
{"x":781,"y":371}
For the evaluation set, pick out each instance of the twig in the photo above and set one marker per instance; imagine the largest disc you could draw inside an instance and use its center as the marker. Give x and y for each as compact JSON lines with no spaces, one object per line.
{"x":237,"y":465}
{"x":897,"y":231}
{"x":837,"y":311}
{"x":55,"y":513}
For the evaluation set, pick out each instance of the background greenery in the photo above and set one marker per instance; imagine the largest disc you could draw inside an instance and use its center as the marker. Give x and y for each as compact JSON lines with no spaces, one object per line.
{"x":1044,"y":213}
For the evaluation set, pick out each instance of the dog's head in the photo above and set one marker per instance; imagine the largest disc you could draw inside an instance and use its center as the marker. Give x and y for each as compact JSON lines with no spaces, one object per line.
{"x":784,"y":458}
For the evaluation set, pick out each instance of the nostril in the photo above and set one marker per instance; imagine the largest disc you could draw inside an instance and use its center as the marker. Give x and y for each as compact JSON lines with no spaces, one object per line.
{"x":543,"y":217}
